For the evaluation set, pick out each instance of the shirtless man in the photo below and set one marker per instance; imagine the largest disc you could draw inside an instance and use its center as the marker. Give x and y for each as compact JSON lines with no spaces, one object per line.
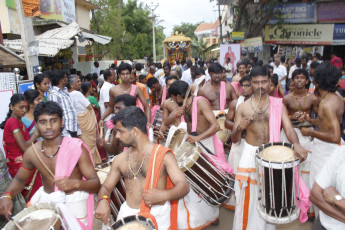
{"x":124,"y":71}
{"x":242,"y":71}
{"x":330,"y":111}
{"x":115,"y":146}
{"x":253,"y":117}
{"x":297,"y":103}
{"x":199,"y":81}
{"x":212,"y":91}
{"x":135,"y":165}
{"x":48,"y":117}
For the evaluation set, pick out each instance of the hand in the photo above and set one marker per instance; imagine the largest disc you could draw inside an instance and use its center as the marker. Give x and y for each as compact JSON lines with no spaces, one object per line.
{"x":301,"y":152}
{"x":100,"y":142}
{"x":101,"y":123}
{"x":67,"y":184}
{"x":244,"y":123}
{"x":328,"y":194}
{"x":305,"y":131}
{"x":192,"y":139}
{"x":296,"y":116}
{"x":160,"y":135}
{"x":304,"y":117}
{"x":103,"y":211}
{"x":6,"y":206}
{"x":155,"y":196}
{"x":179,"y":112}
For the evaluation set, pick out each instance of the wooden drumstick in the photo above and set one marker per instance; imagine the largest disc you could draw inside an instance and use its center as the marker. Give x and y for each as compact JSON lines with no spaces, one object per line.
{"x":15,"y":223}
{"x":186,"y":96}
{"x":101,"y":133}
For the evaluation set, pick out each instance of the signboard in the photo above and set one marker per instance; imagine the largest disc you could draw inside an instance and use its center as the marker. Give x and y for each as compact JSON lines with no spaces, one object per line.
{"x":251,"y":45}
{"x":331,"y":12}
{"x":25,"y":85}
{"x":299,"y":34}
{"x":8,"y":81}
{"x":339,"y":34}
{"x":237,"y":35}
{"x":232,"y":51}
{"x":31,"y":8}
{"x":294,"y":13}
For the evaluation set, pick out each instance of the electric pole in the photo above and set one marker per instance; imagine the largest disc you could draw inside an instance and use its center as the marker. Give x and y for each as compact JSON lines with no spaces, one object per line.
{"x":152,"y":8}
{"x":220,"y":23}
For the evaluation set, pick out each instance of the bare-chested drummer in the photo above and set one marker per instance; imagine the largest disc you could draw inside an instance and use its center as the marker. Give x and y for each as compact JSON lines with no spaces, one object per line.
{"x":135,"y":166}
{"x":297,"y":103}
{"x":330,"y":111}
{"x":213,"y":91}
{"x":253,"y":116}
{"x":124,"y":72}
{"x":62,"y":162}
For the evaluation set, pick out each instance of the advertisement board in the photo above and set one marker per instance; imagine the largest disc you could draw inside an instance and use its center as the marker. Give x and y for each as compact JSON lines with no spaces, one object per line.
{"x":339,"y":34}
{"x":294,"y":13}
{"x":331,"y":12}
{"x":251,"y":45}
{"x":232,"y":51}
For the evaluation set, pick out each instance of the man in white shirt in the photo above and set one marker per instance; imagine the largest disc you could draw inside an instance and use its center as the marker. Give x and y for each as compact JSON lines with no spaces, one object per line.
{"x":228,"y":69}
{"x":280,"y":70}
{"x":187,"y":75}
{"x":96,"y":69}
{"x":109,"y":78}
{"x":329,"y":190}
{"x":297,"y":65}
{"x":166,"y":69}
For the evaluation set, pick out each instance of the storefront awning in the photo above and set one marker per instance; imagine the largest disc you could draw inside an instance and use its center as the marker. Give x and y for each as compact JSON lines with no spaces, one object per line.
{"x":9,"y":58}
{"x":97,"y":38}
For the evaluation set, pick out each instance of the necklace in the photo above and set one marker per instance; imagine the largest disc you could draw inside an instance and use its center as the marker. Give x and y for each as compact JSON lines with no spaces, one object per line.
{"x":125,"y":90}
{"x":256,"y":110}
{"x":293,"y":100}
{"x":323,"y":97}
{"x":42,"y":150}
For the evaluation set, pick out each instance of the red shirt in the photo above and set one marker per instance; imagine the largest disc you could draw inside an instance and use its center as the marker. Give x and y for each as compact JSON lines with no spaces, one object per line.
{"x":337,"y":62}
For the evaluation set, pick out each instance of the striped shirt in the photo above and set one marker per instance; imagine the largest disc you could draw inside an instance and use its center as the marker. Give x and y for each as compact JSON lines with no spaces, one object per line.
{"x":69,"y":115}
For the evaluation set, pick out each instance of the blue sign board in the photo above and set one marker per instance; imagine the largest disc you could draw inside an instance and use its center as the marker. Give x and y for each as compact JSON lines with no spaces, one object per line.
{"x":294,"y":13}
{"x":25,"y":85}
{"x":339,"y":34}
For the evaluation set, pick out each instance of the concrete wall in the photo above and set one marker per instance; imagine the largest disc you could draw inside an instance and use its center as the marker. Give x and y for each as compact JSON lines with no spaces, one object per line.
{"x":83,"y":16}
{"x":4,"y":18}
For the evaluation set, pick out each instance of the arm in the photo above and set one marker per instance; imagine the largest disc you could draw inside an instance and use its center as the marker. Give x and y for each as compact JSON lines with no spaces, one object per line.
{"x":229,"y":122}
{"x":115,"y":147}
{"x":145,"y":104}
{"x":90,"y":185}
{"x":240,"y":124}
{"x":180,"y":189}
{"x":109,"y":105}
{"x":232,"y":92}
{"x":22,"y":144}
{"x":280,"y":90}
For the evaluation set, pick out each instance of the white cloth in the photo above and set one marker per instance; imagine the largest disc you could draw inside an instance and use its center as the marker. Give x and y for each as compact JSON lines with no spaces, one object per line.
{"x":332,"y":174}
{"x":96,"y":70}
{"x":228,"y":66}
{"x":200,"y":213}
{"x":162,"y":80}
{"x":172,"y":130}
{"x":187,"y":77}
{"x":281,"y":72}
{"x":104,"y":97}
{"x":158,"y":72}
{"x":208,"y":77}
{"x":247,"y":161}
{"x":71,"y":206}
{"x":197,"y":83}
{"x":292,"y":69}
{"x":208,"y":143}
{"x":160,"y":212}
{"x":79,"y":101}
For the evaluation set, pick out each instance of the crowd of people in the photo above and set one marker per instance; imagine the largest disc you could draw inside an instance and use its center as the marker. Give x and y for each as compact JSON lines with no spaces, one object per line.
{"x":128,"y":115}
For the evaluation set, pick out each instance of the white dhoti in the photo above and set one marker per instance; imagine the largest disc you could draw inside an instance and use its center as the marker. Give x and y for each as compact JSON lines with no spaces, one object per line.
{"x":246,"y":214}
{"x":208,"y":143}
{"x":173,"y":128}
{"x":160,"y":212}
{"x":72,"y":207}
{"x":197,"y":211}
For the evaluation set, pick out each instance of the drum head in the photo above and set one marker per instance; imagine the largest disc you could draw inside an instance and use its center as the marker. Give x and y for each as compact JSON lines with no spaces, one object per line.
{"x":134,"y":223}
{"x":186,"y":155}
{"x":177,"y":139}
{"x":223,"y":134}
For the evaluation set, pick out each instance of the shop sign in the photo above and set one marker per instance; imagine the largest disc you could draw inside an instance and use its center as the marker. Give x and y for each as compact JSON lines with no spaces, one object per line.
{"x":89,"y":50}
{"x":251,"y":45}
{"x":237,"y":35}
{"x":331,"y":12}
{"x":339,"y":34}
{"x":300,"y":34}
{"x":293,"y":13}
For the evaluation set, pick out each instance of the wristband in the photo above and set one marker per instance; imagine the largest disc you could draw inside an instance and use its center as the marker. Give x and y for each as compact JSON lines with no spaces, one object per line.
{"x":6,"y":193}
{"x":105,"y":197}
{"x":5,"y":197}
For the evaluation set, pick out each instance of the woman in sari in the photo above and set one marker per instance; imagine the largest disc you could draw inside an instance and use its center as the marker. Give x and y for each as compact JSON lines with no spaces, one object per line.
{"x":33,"y":97}
{"x":16,"y":141}
{"x":41,"y":83}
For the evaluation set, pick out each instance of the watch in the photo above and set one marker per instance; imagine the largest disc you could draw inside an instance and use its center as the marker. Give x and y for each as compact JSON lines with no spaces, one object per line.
{"x":336,"y":198}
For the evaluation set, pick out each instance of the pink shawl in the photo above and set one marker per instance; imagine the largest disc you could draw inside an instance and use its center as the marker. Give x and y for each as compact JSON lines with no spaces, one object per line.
{"x":68,"y":157}
{"x":218,"y":144}
{"x":222,"y":98}
{"x":276,"y":109}
{"x":132,"y":93}
{"x":237,"y":86}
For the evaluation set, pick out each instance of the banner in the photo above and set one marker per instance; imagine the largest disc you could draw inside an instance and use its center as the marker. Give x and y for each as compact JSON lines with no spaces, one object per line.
{"x":232,"y":51}
{"x":237,"y":35}
{"x":300,"y":34}
{"x":252,"y":45}
{"x":331,"y":12}
{"x":293,"y":13}
{"x":31,"y":8}
{"x":339,"y":34}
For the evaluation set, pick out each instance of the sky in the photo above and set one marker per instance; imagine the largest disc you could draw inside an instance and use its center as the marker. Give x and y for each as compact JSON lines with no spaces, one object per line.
{"x":177,"y":11}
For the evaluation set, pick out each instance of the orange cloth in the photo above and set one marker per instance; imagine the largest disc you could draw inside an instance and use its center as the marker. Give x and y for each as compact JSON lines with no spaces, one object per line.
{"x":144,"y":208}
{"x":143,"y":89}
{"x":149,"y":76}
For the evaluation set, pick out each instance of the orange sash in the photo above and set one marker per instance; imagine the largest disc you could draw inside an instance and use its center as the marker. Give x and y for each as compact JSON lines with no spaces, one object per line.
{"x":155,"y":164}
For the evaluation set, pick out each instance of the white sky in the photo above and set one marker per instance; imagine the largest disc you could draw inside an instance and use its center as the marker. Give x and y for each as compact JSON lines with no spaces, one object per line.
{"x":174,"y":12}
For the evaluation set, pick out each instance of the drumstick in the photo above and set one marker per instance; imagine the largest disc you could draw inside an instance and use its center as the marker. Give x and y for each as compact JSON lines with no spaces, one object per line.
{"x":101,"y":132}
{"x":186,"y":96}
{"x":15,"y":223}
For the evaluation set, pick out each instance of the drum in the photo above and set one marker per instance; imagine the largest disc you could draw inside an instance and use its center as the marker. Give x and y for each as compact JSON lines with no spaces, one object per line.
{"x":134,"y":223}
{"x":223,"y":134}
{"x":277,"y":191}
{"x":205,"y":177}
{"x":157,"y":124}
{"x":118,"y":195}
{"x":177,"y":139}
{"x":43,"y":216}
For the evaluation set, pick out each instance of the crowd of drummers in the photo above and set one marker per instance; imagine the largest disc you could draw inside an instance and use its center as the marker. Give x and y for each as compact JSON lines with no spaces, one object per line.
{"x":165,"y":145}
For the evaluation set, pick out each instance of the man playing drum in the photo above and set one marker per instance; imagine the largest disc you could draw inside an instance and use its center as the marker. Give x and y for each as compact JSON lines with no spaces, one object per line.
{"x":150,"y":171}
{"x":297,"y":103}
{"x":69,"y":159}
{"x":331,"y":109}
{"x":261,"y":118}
